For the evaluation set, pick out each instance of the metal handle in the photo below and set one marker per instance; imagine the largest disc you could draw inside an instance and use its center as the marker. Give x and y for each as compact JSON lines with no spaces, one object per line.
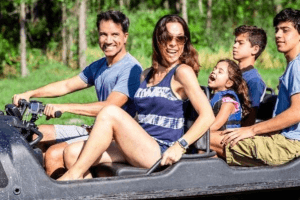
{"x":154,"y":167}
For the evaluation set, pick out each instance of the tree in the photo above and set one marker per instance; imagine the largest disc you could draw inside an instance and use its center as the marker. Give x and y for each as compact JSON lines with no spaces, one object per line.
{"x":184,"y":11}
{"x":209,"y":15}
{"x":82,"y":44}
{"x":63,"y":33}
{"x":24,"y":71}
{"x":200,"y":4}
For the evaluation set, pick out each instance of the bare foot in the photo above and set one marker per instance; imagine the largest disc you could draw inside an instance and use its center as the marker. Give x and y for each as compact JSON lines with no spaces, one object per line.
{"x":69,"y":176}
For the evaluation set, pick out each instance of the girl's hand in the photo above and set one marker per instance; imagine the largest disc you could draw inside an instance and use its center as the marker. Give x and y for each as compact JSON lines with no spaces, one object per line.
{"x":172,"y":154}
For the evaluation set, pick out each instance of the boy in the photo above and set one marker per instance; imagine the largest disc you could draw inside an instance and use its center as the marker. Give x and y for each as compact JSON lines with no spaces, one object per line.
{"x":250,"y":42}
{"x":116,"y":78}
{"x":281,"y":140}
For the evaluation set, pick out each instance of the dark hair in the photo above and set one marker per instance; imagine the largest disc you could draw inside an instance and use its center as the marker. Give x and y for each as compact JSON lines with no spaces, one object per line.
{"x":288,"y":15}
{"x":239,"y":85}
{"x":189,"y":55}
{"x":116,"y":16}
{"x":257,"y":36}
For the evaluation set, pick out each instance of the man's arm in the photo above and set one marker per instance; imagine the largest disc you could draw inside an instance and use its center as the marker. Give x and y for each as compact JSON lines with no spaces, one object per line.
{"x":285,"y":119}
{"x":90,"y":109}
{"x":55,"y":89}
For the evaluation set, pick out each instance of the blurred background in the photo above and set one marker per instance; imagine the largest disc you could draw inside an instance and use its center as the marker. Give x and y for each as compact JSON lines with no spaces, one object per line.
{"x":43,"y":41}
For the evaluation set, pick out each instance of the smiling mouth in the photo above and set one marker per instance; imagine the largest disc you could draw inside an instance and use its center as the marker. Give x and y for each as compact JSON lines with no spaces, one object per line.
{"x":108,"y":47}
{"x":211,"y":78}
{"x":171,"y":52}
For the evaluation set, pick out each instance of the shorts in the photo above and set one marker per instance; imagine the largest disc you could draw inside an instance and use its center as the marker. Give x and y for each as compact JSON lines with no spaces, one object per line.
{"x":263,"y":150}
{"x":163,"y":145}
{"x":70,"y":133}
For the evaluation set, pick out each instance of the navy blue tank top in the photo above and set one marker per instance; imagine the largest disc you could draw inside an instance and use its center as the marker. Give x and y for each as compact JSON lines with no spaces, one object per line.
{"x":160,"y":112}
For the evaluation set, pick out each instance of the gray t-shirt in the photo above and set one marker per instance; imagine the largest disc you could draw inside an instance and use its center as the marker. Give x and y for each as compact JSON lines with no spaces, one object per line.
{"x":123,"y":76}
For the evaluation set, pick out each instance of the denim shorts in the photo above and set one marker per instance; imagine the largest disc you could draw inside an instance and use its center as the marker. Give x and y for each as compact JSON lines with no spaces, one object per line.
{"x":163,"y":145}
{"x":70,"y":133}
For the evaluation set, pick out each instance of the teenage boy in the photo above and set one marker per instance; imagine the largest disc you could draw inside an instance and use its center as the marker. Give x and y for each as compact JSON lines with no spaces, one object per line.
{"x":115,"y":77}
{"x":250,"y":42}
{"x":275,"y":141}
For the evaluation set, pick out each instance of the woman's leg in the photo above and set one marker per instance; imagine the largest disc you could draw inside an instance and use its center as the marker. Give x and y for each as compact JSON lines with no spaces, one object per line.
{"x":138,"y":148}
{"x":72,"y":152}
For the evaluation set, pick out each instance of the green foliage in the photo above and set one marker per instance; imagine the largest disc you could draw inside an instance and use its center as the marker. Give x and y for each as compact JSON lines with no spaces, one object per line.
{"x":141,"y":29}
{"x":44,"y":26}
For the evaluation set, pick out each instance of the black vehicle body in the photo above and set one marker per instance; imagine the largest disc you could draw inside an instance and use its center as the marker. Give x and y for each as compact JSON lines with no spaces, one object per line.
{"x":23,"y":177}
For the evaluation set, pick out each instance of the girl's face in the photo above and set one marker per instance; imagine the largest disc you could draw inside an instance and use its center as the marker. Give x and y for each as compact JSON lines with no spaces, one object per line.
{"x":173,"y":47}
{"x":218,"y":79}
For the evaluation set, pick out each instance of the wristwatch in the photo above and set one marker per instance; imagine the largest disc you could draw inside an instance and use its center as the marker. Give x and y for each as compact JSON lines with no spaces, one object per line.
{"x":183,"y":143}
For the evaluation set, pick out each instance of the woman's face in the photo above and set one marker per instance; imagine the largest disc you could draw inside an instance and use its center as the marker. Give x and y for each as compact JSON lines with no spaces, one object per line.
{"x":173,"y":47}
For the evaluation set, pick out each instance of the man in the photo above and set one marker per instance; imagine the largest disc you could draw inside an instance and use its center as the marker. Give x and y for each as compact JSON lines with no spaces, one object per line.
{"x":115,"y":77}
{"x":275,"y":141}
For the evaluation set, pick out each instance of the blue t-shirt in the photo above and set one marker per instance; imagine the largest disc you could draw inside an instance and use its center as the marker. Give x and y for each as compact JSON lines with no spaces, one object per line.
{"x":256,"y":85}
{"x":123,"y":76}
{"x":289,"y":84}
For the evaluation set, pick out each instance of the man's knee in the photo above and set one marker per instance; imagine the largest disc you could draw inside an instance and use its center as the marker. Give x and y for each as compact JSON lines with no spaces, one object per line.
{"x":55,"y":152}
{"x":70,"y":155}
{"x":48,"y":131}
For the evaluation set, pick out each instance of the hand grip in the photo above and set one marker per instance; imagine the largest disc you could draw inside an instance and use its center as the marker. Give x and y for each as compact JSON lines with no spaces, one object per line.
{"x":57,"y":114}
{"x":154,"y":167}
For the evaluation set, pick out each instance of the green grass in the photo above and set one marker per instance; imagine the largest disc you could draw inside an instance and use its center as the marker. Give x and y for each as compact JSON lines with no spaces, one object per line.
{"x":51,"y":71}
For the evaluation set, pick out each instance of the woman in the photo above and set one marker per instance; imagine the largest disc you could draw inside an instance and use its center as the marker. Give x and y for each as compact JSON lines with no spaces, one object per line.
{"x":160,"y":101}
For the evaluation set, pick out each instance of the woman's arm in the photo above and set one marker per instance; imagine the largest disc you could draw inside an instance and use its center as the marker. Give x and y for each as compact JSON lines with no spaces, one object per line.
{"x":185,"y":84}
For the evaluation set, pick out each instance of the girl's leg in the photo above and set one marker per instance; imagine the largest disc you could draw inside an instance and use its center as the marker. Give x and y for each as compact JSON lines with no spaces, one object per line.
{"x":138,"y":148}
{"x":215,"y":143}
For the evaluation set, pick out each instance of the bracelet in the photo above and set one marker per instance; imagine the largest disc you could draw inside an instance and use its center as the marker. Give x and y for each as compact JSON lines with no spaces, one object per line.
{"x":183,"y":149}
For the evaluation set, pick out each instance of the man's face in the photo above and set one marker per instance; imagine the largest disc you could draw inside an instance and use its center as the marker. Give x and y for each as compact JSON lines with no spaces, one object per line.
{"x":242,"y":47}
{"x":112,"y":39}
{"x":287,"y":37}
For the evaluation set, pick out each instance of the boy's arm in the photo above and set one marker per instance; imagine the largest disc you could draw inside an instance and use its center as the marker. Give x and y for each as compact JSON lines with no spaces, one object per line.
{"x":55,"y":89}
{"x":256,"y":88}
{"x":285,"y":119}
{"x":223,"y":115}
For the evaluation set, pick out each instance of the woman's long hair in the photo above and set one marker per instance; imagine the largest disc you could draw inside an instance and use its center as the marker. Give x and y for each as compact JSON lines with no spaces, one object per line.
{"x":239,"y":85}
{"x":189,"y":55}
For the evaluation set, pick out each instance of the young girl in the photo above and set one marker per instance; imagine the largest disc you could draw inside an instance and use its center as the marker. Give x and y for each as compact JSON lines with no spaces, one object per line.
{"x":230,"y":101}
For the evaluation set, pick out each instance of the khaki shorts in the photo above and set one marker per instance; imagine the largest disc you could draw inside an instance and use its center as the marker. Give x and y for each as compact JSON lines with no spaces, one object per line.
{"x":263,"y":150}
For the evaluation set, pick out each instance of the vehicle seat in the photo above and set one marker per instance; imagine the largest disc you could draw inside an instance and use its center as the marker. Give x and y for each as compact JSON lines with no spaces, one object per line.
{"x":267,"y":105}
{"x":122,"y":169}
{"x":203,"y":142}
